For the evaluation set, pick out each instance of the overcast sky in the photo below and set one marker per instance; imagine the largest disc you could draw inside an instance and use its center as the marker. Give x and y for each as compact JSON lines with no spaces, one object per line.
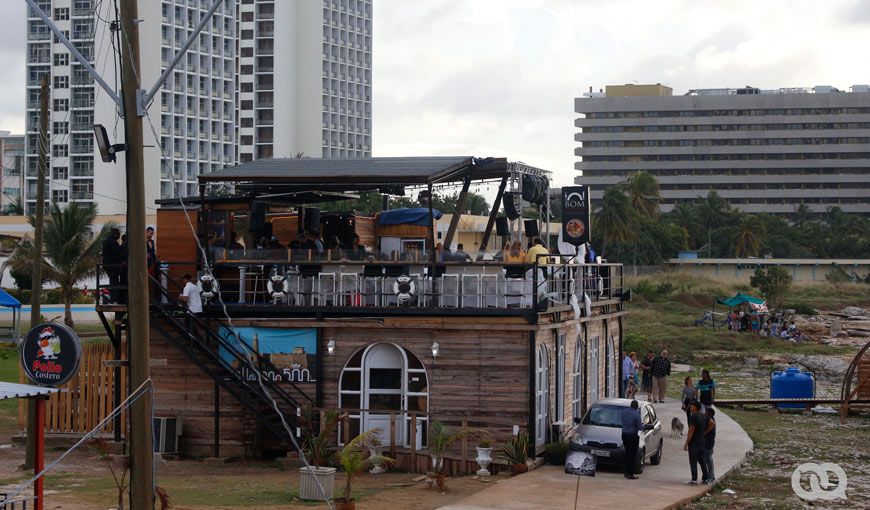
{"x":498,"y":77}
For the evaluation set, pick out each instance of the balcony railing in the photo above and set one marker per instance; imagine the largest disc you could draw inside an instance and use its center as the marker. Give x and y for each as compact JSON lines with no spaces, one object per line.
{"x":340,"y":279}
{"x":82,"y":195}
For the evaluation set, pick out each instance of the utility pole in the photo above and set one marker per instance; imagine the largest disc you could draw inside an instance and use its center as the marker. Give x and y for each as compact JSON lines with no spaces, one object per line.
{"x":36,"y":273}
{"x":141,"y":438}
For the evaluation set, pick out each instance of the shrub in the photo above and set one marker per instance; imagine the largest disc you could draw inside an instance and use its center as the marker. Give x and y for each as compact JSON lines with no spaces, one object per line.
{"x":801,"y":309}
{"x":773,"y":282}
{"x":555,"y":453}
{"x":837,"y":276}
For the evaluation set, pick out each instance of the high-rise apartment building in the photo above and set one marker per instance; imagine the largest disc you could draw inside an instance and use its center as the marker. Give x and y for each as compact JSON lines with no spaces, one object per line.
{"x":761,"y":150}
{"x":245,"y":89}
{"x":12,"y":174}
{"x":304,"y":78}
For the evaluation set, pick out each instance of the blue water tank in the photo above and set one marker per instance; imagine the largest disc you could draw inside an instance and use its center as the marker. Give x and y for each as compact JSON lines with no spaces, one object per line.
{"x":792,"y":383}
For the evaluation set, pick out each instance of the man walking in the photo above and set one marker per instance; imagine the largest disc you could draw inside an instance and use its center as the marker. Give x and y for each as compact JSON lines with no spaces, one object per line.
{"x":710,"y":443}
{"x":661,"y":369}
{"x":695,"y":444}
{"x":627,"y":373}
{"x":190,"y":295}
{"x":631,"y":425}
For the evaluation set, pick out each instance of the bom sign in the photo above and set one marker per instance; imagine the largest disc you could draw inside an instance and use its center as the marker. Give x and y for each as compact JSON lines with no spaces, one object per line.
{"x":575,"y":215}
{"x":50,"y":354}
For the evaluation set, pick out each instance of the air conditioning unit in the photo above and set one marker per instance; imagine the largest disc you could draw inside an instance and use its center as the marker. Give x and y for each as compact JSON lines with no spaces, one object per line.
{"x":167,"y":432}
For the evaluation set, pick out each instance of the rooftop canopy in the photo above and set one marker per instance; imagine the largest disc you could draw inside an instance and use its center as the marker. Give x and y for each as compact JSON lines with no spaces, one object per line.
{"x":359,"y":173}
{"x":15,"y":390}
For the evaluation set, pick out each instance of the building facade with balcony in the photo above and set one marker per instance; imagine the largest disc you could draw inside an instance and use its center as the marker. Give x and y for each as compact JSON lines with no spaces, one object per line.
{"x":304,"y":88}
{"x":12,"y":174}
{"x":761,"y":150}
{"x":222,"y":92}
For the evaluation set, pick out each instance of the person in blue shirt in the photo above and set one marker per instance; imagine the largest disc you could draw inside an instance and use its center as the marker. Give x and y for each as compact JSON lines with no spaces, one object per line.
{"x":631,"y":426}
{"x":706,"y":388}
{"x":627,"y":373}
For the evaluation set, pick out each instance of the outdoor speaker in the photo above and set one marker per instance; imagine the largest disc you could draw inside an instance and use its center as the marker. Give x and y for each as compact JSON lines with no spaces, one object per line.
{"x":312,"y":219}
{"x":258,"y":216}
{"x":510,"y":205}
{"x":501,"y":226}
{"x":531,"y":227}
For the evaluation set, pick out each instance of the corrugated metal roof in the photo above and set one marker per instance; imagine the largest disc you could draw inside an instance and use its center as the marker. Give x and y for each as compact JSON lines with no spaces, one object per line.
{"x":349,"y":171}
{"x":14,"y":390}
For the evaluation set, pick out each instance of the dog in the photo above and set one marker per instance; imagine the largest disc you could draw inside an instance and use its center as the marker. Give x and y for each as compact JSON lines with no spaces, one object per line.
{"x":676,"y":427}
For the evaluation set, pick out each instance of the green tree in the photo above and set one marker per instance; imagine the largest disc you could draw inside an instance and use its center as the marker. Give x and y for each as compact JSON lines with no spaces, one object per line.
{"x":71,"y":251}
{"x":750,"y":233}
{"x":685,"y":216}
{"x":712,"y":212}
{"x":773,"y":283}
{"x":642,"y":190}
{"x":615,"y":221}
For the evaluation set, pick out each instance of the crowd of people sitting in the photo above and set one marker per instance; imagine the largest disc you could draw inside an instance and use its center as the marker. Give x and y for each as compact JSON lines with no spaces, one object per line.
{"x":775,"y":325}
{"x":312,"y":246}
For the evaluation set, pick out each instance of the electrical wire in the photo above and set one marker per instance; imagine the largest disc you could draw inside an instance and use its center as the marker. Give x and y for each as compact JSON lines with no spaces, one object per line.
{"x":223,"y":304}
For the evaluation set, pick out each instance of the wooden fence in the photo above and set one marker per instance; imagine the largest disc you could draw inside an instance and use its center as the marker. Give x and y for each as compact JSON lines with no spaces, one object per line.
{"x":88,"y":397}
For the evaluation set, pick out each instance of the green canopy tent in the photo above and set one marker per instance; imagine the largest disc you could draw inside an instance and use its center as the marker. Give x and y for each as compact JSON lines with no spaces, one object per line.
{"x":739,"y":299}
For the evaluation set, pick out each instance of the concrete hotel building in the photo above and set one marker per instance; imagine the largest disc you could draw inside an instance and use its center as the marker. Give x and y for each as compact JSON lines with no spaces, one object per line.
{"x":761,"y":150}
{"x":12,"y":175}
{"x":218,"y":106}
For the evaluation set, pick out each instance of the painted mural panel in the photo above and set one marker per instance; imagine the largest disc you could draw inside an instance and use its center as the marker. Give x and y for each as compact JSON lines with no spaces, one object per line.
{"x":293,"y":352}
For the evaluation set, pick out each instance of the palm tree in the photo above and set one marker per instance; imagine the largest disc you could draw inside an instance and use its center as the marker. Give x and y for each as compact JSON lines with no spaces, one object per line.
{"x":476,"y":204}
{"x":686,"y":216}
{"x":802,"y":214}
{"x":643,"y":193}
{"x":750,"y":233}
{"x":616,"y":220}
{"x":711,"y":213}
{"x":71,"y":251}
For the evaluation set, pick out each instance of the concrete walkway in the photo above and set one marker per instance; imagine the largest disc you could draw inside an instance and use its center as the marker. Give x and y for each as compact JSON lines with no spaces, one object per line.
{"x":659,"y":486}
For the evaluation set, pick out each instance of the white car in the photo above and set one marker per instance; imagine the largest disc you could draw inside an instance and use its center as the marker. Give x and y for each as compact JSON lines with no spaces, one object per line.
{"x":600,"y":433}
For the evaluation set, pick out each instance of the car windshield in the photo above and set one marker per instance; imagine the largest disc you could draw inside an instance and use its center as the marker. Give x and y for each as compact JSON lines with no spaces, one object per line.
{"x":604,"y":416}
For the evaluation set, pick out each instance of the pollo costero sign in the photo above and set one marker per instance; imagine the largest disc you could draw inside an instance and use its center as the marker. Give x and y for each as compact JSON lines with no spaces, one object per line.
{"x":575,"y":215}
{"x":50,"y":354}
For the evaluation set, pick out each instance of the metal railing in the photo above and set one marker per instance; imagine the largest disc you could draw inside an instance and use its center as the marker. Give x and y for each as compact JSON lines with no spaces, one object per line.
{"x":19,"y":503}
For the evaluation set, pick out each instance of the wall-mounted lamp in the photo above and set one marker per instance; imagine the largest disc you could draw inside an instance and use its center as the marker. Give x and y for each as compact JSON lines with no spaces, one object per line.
{"x":330,"y":346}
{"x":435,"y":349}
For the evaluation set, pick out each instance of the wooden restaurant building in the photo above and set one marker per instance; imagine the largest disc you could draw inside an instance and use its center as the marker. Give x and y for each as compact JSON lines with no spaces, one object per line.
{"x":387,"y":327}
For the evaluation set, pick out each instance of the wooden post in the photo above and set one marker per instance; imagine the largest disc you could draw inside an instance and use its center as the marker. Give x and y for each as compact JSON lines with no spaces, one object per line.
{"x":393,"y":434}
{"x":141,"y":433}
{"x":345,"y":428}
{"x":457,"y":213}
{"x":413,"y":441}
{"x":496,"y":204}
{"x":322,"y":420}
{"x":39,"y":450}
{"x":464,"y":463}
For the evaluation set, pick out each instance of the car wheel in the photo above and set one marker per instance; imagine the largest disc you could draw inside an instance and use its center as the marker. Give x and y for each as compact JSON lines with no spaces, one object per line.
{"x":638,"y":466}
{"x":656,"y":459}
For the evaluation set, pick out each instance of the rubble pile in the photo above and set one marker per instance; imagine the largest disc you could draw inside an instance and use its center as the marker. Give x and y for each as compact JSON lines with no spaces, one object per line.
{"x":850,"y":326}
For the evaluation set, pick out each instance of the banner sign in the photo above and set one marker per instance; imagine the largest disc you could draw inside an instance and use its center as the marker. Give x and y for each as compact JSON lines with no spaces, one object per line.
{"x":575,"y":215}
{"x":293,"y":352}
{"x":50,"y":354}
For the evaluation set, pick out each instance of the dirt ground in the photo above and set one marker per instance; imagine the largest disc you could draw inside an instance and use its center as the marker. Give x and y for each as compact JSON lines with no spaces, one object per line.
{"x":83,"y":482}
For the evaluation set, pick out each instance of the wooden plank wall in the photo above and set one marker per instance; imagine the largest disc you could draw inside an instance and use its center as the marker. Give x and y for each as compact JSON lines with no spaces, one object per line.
{"x":87,"y":398}
{"x":183,"y":390}
{"x":175,"y":242}
{"x":480,"y":375}
{"x":864,"y":378}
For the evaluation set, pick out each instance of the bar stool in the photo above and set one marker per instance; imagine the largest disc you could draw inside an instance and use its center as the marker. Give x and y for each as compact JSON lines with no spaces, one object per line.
{"x":348,"y":289}
{"x":307,"y":289}
{"x":449,"y":290}
{"x":326,"y":286}
{"x":515,"y":291}
{"x":372,"y":279}
{"x":489,"y":289}
{"x":471,"y":290}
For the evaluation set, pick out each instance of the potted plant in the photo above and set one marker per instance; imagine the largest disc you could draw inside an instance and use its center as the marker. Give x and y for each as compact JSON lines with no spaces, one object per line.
{"x":439,"y":441}
{"x":318,"y":439}
{"x":484,"y":453}
{"x":354,"y":461}
{"x":516,"y":453}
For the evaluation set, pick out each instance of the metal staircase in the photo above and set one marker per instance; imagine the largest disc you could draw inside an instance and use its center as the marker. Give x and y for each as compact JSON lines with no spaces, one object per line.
{"x":232,"y":364}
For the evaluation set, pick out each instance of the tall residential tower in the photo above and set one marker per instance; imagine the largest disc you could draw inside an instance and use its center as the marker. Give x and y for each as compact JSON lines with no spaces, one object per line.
{"x":264,"y":78}
{"x":761,"y":150}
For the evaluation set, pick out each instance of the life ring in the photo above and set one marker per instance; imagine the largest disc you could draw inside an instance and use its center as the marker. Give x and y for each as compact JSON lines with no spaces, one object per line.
{"x":273,"y":283}
{"x":209,"y":286}
{"x":405,"y":289}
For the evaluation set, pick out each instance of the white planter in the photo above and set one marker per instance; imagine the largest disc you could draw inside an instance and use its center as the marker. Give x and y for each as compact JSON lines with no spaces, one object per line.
{"x":376,"y":451}
{"x":437,"y":463}
{"x":484,"y":459}
{"x":308,"y":488}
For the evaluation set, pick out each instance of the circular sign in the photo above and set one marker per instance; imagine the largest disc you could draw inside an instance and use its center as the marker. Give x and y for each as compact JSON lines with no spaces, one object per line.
{"x":50,"y":354}
{"x":575,"y":228}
